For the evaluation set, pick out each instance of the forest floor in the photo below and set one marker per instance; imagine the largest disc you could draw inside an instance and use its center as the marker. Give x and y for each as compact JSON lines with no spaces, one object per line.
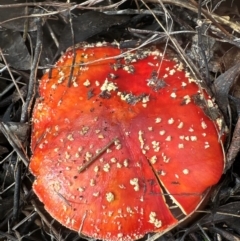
{"x":205,"y":35}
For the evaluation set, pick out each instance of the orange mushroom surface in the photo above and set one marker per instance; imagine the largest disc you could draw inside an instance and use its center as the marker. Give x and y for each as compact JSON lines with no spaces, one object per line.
{"x":124,"y":143}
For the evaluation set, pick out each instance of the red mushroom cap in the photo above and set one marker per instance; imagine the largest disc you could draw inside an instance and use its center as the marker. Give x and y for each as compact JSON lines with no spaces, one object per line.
{"x":126,"y":133}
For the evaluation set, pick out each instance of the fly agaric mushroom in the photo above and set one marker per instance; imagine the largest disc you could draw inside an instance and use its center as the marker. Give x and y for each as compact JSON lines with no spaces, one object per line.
{"x":110,"y":149}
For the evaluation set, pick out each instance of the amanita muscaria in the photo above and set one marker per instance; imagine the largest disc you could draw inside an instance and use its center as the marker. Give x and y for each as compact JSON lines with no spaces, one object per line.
{"x":124,"y":135}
